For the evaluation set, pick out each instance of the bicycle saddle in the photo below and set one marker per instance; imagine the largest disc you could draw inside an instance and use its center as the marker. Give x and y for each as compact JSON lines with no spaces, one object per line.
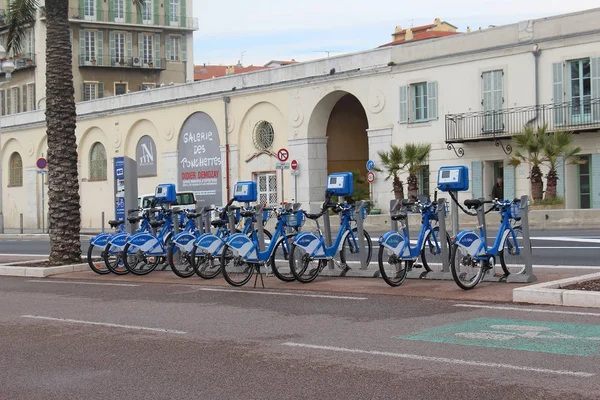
{"x":398,"y":217}
{"x":133,"y":220}
{"x":246,"y":214}
{"x":114,"y":224}
{"x":473,"y":203}
{"x":156,"y":224}
{"x":193,"y":215}
{"x":313,"y":216}
{"x":218,"y":223}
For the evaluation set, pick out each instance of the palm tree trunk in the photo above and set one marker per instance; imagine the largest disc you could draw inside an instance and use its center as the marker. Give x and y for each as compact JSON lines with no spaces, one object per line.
{"x":551,"y":182}
{"x":398,"y":188}
{"x":537,"y":184}
{"x":64,"y":217}
{"x":413,"y":188}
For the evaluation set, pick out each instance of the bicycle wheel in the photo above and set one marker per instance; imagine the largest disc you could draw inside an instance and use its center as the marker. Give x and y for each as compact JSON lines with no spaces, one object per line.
{"x":236,"y":271}
{"x":206,"y":266}
{"x":181,"y":262}
{"x":511,"y":262}
{"x":431,"y":255}
{"x":96,"y":261}
{"x":393,"y":270}
{"x":113,"y":260}
{"x":466,"y":270}
{"x":280,"y":260}
{"x":350,"y":252}
{"x":304,"y":268}
{"x":139,"y":263}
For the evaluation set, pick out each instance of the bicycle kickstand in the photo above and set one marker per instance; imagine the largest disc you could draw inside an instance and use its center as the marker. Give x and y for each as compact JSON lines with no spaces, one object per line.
{"x":257,"y":273}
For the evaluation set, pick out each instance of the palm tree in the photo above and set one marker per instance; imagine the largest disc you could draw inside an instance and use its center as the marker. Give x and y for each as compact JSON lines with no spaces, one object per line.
{"x":532,"y":142}
{"x":64,"y":217}
{"x":393,"y":162}
{"x":415,"y":157}
{"x":559,"y":144}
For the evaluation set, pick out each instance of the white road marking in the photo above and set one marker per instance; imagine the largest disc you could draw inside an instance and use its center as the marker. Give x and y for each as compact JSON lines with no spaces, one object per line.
{"x":565,"y":267}
{"x":566,"y":239}
{"x":76,"y":321}
{"x":442,"y":360}
{"x":22,"y":255}
{"x":83,"y":283}
{"x":321,"y":296}
{"x":528,"y":310}
{"x":567,"y":247}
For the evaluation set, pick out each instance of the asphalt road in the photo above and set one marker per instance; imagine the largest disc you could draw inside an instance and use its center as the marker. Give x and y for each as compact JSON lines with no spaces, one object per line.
{"x":560,"y":248}
{"x":98,"y":340}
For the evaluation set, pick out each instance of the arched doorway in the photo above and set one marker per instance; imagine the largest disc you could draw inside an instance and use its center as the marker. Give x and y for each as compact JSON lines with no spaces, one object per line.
{"x":347,"y":143}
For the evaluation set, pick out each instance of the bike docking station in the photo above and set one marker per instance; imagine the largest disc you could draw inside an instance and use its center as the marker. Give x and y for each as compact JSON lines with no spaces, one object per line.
{"x":126,"y":190}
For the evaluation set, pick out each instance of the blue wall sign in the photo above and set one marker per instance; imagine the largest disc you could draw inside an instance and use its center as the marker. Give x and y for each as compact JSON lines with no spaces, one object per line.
{"x":370,"y":165}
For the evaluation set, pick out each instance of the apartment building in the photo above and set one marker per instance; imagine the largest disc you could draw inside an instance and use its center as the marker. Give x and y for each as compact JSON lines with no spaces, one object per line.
{"x":116,"y":50}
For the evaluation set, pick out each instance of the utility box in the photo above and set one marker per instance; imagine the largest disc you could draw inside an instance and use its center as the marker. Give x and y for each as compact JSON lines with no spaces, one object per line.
{"x":165,"y":193}
{"x":125,"y":189}
{"x":453,"y":179}
{"x":245,"y":192}
{"x":341,"y":184}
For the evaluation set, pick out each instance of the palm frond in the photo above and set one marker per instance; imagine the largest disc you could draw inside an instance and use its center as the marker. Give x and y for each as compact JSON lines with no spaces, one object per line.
{"x":21,"y":16}
{"x":139,"y":4}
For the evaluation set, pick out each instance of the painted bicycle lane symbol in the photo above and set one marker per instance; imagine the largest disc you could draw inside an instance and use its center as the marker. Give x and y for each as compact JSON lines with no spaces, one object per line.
{"x":510,"y":332}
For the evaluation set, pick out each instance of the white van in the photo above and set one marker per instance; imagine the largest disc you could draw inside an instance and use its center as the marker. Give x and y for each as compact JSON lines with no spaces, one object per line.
{"x":185,"y":200}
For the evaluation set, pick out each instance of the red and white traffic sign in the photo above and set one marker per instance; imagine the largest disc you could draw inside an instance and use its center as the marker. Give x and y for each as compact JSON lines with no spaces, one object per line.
{"x":41,"y":163}
{"x":283,"y":155}
{"x":294,"y":165}
{"x":371,"y":177}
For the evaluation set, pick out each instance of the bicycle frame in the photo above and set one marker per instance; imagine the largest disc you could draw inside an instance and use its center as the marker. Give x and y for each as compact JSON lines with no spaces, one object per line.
{"x":213,"y":243}
{"x":315,"y":245}
{"x":151,"y":244}
{"x":186,"y":238}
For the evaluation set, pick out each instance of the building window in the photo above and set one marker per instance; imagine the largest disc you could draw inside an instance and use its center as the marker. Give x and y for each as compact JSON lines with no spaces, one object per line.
{"x":120,"y":88}
{"x":90,"y":91}
{"x":147,"y":12}
{"x":119,"y":48}
{"x":580,"y":90}
{"x":492,"y":99}
{"x":419,"y":102}
{"x":424,"y":180}
{"x":89,"y":7}
{"x":90,"y":46}
{"x":263,"y":135}
{"x":267,"y":188}
{"x":31,"y":103}
{"x":174,"y":12}
{"x":147,"y":49}
{"x":119,"y":10}
{"x":16,"y":100}
{"x":585,"y":181}
{"x":16,"y":170}
{"x":98,"y":162}
{"x":174,"y":48}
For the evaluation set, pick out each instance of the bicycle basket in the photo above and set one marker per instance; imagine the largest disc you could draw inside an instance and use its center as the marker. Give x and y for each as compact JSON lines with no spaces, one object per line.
{"x":266,"y":214}
{"x":294,"y":220}
{"x":515,"y":211}
{"x":364,"y":213}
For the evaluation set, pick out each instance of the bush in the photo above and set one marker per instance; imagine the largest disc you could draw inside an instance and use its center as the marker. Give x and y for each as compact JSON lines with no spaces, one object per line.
{"x":550,"y":202}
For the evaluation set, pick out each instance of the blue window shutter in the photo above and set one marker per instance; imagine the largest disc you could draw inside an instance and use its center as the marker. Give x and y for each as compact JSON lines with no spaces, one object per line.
{"x":128,"y":11}
{"x":477,"y":179}
{"x":403,"y":104}
{"x":432,"y":100}
{"x":113,"y":53}
{"x":509,"y":181}
{"x":129,"y":47}
{"x":100,"y":47}
{"x":157,"y":50}
{"x":168,"y":47}
{"x":184,"y":48}
{"x":81,"y":46}
{"x":560,"y":172}
{"x":595,"y":175}
{"x":558,"y":93}
{"x":595,"y":67}
{"x":182,"y":11}
{"x":155,"y":10}
{"x":140,"y":36}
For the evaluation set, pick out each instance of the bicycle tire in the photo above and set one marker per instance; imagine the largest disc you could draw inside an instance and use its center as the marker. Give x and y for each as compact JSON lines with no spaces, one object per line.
{"x":505,"y":269}
{"x":285,"y":277}
{"x":456,"y":274}
{"x":201,"y":260}
{"x":139,"y":271}
{"x":401,"y":276}
{"x":346,"y":244}
{"x":115,"y":268}
{"x":170,"y":261}
{"x":423,"y":251}
{"x":246,"y":272}
{"x":299,"y":273}
{"x":92,"y":263}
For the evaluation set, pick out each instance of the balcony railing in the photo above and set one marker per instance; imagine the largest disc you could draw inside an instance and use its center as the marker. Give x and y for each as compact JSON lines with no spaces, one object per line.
{"x":126,"y":62}
{"x":491,"y":125}
{"x":132,"y":17}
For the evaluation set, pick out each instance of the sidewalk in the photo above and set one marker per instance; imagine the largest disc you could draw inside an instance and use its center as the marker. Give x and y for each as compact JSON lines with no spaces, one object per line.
{"x":426,"y":288}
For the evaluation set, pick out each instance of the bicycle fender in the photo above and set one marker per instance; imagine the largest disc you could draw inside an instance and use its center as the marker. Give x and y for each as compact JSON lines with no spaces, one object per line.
{"x":185,"y":241}
{"x":469,"y":241}
{"x":100,"y":240}
{"x":504,"y":236}
{"x":119,"y":240}
{"x":242,"y":245}
{"x":210,"y":243}
{"x":310,"y":243}
{"x":396,"y":243}
{"x":143,"y":241}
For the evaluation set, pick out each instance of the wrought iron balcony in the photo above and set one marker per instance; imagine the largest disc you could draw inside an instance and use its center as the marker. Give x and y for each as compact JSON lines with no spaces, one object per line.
{"x":494,"y":125}
{"x":22,"y":61}
{"x":127,"y":62}
{"x":99,"y":15}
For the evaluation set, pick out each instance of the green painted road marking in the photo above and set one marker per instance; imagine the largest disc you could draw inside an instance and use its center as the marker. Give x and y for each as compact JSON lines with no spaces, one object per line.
{"x":545,"y":337}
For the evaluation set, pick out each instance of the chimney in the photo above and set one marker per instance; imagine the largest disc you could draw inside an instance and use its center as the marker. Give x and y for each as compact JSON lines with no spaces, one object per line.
{"x":409,"y":34}
{"x":437,"y":21}
{"x":398,"y":28}
{"x":468,"y":29}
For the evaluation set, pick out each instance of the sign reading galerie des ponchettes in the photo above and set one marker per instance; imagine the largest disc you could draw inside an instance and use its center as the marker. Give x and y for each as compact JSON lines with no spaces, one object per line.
{"x":199,"y":159}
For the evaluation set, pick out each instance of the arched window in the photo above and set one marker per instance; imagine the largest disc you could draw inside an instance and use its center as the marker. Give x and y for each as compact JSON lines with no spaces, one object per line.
{"x":98,"y":162}
{"x":16,"y":170}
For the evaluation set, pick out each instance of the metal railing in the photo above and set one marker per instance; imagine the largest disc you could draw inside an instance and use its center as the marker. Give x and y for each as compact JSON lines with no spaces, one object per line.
{"x":489,"y":125}
{"x":107,"y":61}
{"x":2,"y":17}
{"x":132,"y":17}
{"x":22,"y":61}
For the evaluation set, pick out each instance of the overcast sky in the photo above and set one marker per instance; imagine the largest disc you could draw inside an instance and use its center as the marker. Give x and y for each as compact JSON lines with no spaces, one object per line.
{"x":265,"y":30}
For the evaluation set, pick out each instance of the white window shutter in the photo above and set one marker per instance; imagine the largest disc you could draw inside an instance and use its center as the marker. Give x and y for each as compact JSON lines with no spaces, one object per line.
{"x":113,"y":53}
{"x":486,"y":94}
{"x":595,"y":70}
{"x":129,"y":46}
{"x":157,"y":50}
{"x":100,"y":47}
{"x":558,"y":93}
{"x":403,"y":104}
{"x":140,"y":36}
{"x":168,"y":47}
{"x":100,"y":90}
{"x":81,"y":46}
{"x":184,"y":48}
{"x":432,"y":100}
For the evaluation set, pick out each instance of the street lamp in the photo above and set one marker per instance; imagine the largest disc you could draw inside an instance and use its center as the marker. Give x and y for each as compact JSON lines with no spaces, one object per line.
{"x":7,"y":67}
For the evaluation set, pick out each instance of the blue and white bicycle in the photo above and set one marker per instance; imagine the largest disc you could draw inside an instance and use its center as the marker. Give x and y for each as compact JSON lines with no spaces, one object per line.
{"x":180,"y":247}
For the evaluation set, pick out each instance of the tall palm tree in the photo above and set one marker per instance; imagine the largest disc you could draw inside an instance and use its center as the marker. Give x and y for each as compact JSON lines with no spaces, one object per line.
{"x":415,"y":157}
{"x":393,"y":162}
{"x":530,"y":144}
{"x":64,"y":217}
{"x":559,"y":144}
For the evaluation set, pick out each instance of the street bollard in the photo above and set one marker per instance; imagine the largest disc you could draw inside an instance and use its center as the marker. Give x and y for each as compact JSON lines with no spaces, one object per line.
{"x":102,"y":221}
{"x":327,"y":229}
{"x":361,"y":234}
{"x":527,"y":276}
{"x":21,"y":222}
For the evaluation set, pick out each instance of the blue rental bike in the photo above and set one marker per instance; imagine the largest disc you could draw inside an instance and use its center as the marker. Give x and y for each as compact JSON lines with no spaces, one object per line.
{"x":309,"y":253}
{"x":98,"y":244}
{"x":180,"y":248}
{"x":471,"y":257}
{"x":144,"y":251}
{"x":241,"y":255}
{"x":397,"y":256}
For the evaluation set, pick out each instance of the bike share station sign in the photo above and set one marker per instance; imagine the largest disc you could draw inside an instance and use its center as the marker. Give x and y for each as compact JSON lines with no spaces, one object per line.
{"x":42,"y":165}
{"x":125,"y":189}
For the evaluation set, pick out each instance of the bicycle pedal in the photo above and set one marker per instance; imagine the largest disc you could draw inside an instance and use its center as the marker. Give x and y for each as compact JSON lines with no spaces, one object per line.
{"x":417,"y":265}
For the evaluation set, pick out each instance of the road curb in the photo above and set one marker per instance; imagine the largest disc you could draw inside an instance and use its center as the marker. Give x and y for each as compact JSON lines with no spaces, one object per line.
{"x":34,"y":236}
{"x":40,"y":272}
{"x":552,"y":293}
